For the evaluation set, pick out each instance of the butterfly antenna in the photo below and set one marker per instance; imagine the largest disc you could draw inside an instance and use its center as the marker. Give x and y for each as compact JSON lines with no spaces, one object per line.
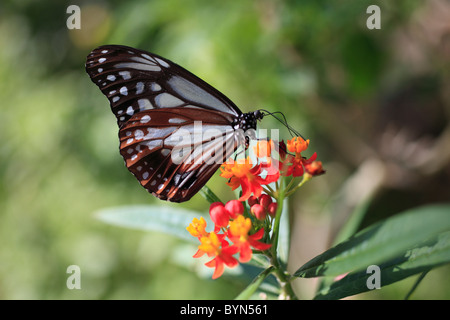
{"x":283,"y":121}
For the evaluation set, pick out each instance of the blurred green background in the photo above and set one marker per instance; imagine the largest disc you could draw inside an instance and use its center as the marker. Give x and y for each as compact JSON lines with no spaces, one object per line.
{"x":375,"y":104}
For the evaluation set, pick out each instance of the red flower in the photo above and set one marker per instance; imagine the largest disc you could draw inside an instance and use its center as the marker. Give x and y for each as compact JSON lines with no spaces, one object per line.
{"x":220,"y":214}
{"x":242,"y":173}
{"x":234,"y":208}
{"x":238,"y":234}
{"x":313,"y":167}
{"x":215,"y":245}
{"x":232,"y":233}
{"x":296,"y":164}
{"x":296,"y":167}
{"x":297,"y":145}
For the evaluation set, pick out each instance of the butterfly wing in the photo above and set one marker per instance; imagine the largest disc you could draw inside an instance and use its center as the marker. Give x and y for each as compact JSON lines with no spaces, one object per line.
{"x":171,"y":154}
{"x":158,"y":106}
{"x":134,"y":80}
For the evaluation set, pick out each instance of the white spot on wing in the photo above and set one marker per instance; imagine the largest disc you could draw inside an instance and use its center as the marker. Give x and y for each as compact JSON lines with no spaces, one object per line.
{"x":176,"y":120}
{"x":145,"y":175}
{"x":146,"y":61}
{"x":166,"y":100}
{"x":138,"y":148}
{"x":125,"y":75}
{"x":158,"y":133}
{"x":145,"y":119}
{"x":111,"y":77}
{"x":146,"y":56}
{"x":100,"y":70}
{"x":115,"y":99}
{"x":101,"y":60}
{"x":124,"y":91}
{"x":138,"y":134}
{"x":155,"y":87}
{"x":138,"y":66}
{"x":152,"y":144}
{"x":104,"y":51}
{"x":144,"y":104}
{"x":162,"y":62}
{"x":139,"y":87}
{"x":130,"y":111}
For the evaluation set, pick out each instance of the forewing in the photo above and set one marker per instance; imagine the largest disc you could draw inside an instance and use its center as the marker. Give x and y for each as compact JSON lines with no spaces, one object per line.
{"x":135,"y":80}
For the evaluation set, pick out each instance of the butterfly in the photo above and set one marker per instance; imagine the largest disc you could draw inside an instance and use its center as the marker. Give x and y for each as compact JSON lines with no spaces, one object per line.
{"x":175,"y":130}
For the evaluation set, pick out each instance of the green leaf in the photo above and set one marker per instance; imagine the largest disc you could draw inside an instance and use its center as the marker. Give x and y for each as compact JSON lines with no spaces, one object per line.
{"x":210,"y":196}
{"x":154,"y":218}
{"x":420,"y":259}
{"x":380,"y":242}
{"x":254,"y":285}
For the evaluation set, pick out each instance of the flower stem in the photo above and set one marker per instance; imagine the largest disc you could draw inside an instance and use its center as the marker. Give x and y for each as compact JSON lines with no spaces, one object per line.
{"x":267,"y":189}
{"x":306,"y":177}
{"x":283,"y":279}
{"x":276,"y":225}
{"x":281,"y":275}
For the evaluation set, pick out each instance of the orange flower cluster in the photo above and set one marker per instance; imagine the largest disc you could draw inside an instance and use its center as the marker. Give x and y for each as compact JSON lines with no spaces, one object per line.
{"x":234,"y":232}
{"x":247,"y":176}
{"x":250,"y":177}
{"x":297,"y":165}
{"x":231,"y":224}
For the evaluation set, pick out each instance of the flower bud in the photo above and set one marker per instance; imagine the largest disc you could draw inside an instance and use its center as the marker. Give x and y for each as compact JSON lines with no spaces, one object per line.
{"x":219,"y":215}
{"x":252,"y":200}
{"x":258,"y":211}
{"x":265,"y":200}
{"x":234,"y":208}
{"x":272,"y":208}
